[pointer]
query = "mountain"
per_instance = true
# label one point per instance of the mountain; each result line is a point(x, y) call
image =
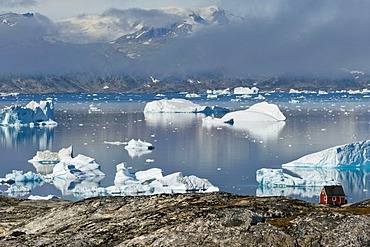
point(139, 33)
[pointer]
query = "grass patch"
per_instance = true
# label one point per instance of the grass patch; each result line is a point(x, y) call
point(282, 222)
point(348, 210)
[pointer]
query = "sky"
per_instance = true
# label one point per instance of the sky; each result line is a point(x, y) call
point(278, 35)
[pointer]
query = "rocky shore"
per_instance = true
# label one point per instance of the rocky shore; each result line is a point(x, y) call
point(215, 219)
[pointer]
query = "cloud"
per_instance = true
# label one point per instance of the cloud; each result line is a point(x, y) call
point(16, 3)
point(293, 37)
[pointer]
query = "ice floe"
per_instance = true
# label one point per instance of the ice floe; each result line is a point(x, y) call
point(138, 148)
point(32, 114)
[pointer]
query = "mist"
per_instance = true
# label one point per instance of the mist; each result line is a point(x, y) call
point(272, 38)
point(300, 38)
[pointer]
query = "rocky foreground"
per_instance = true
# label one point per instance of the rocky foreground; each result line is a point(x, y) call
point(216, 219)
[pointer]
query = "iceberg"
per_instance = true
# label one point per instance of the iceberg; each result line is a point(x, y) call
point(21, 183)
point(49, 157)
point(76, 168)
point(33, 113)
point(20, 177)
point(246, 90)
point(348, 155)
point(180, 106)
point(138, 148)
point(173, 105)
point(48, 197)
point(152, 181)
point(258, 112)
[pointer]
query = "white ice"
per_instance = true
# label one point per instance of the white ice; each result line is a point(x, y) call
point(246, 90)
point(19, 176)
point(137, 148)
point(173, 105)
point(348, 155)
point(48, 197)
point(152, 181)
point(74, 168)
point(49, 157)
point(260, 112)
point(33, 113)
point(180, 106)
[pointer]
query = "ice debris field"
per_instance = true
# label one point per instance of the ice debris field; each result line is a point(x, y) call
point(84, 174)
point(303, 176)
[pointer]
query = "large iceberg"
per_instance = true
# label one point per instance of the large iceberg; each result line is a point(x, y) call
point(258, 112)
point(32, 114)
point(181, 106)
point(348, 155)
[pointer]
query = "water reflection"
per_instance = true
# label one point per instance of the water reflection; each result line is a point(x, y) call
point(261, 130)
point(39, 136)
point(77, 187)
point(173, 119)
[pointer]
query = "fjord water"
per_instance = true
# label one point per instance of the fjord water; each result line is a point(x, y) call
point(228, 156)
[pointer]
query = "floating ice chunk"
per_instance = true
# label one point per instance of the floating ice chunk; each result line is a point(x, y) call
point(192, 95)
point(49, 157)
point(353, 154)
point(259, 112)
point(173, 105)
point(123, 176)
point(32, 114)
point(48, 197)
point(180, 106)
point(19, 176)
point(139, 145)
point(21, 183)
point(149, 175)
point(138, 148)
point(246, 90)
point(79, 167)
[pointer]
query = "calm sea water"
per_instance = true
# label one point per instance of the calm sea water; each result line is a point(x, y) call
point(227, 156)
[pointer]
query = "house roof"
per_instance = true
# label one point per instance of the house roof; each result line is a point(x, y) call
point(334, 190)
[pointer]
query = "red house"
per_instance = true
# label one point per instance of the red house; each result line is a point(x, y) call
point(333, 195)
